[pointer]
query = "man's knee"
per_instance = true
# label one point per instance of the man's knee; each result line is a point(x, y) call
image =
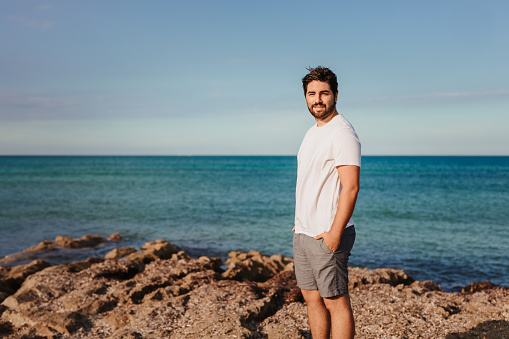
point(338, 303)
point(311, 296)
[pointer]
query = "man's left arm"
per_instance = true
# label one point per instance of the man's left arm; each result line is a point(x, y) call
point(349, 179)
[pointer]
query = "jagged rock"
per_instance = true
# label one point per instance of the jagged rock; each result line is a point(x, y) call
point(4, 270)
point(4, 295)
point(219, 310)
point(425, 286)
point(47, 323)
point(112, 269)
point(493, 329)
point(291, 321)
point(43, 286)
point(104, 288)
point(78, 266)
point(5, 290)
point(254, 266)
point(419, 287)
point(165, 293)
point(45, 245)
point(181, 255)
point(115, 236)
point(362, 276)
point(285, 286)
point(13, 277)
point(6, 329)
point(448, 309)
point(153, 250)
point(18, 274)
point(126, 333)
point(87, 241)
point(121, 252)
point(477, 286)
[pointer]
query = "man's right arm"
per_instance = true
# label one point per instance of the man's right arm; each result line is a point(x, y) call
point(349, 178)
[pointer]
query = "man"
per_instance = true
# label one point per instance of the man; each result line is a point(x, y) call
point(329, 162)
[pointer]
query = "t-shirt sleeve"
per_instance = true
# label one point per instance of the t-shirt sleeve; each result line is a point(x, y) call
point(346, 148)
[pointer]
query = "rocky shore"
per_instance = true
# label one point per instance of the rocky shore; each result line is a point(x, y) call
point(159, 291)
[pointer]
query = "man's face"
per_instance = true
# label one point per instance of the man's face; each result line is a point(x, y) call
point(320, 99)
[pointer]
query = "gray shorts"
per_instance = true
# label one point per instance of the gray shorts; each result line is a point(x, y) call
point(318, 268)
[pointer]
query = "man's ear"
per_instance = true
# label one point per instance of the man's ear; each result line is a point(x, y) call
point(336, 96)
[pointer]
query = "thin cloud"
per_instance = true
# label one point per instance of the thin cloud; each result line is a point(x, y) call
point(26, 107)
point(19, 107)
point(19, 101)
point(431, 98)
point(456, 95)
point(43, 7)
point(32, 23)
point(290, 60)
point(243, 60)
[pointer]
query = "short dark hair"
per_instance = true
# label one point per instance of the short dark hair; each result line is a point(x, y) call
point(322, 74)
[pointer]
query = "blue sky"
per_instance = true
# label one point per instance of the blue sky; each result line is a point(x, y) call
point(224, 77)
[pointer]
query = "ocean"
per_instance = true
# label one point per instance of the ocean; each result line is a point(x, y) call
point(438, 218)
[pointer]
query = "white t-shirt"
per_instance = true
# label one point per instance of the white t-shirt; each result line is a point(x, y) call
point(318, 186)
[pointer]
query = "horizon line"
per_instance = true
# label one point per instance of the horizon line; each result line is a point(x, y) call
point(243, 155)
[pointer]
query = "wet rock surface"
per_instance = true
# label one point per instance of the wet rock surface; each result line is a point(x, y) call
point(61, 246)
point(161, 292)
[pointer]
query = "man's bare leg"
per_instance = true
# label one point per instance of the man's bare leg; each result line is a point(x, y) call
point(318, 315)
point(341, 315)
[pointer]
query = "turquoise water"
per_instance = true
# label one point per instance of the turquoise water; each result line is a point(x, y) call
point(439, 218)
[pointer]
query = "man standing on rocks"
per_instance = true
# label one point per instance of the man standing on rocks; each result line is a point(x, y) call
point(329, 162)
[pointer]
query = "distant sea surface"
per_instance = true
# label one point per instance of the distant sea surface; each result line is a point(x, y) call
point(444, 219)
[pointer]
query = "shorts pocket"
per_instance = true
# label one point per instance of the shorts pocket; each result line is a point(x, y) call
point(324, 247)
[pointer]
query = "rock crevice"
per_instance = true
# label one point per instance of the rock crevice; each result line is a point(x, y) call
point(160, 291)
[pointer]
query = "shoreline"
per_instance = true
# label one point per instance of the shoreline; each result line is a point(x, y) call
point(57, 252)
point(158, 290)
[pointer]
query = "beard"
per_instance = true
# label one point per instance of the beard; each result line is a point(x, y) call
point(327, 112)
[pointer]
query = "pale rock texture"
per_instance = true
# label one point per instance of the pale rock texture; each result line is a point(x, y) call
point(87, 241)
point(161, 292)
point(254, 266)
point(121, 252)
